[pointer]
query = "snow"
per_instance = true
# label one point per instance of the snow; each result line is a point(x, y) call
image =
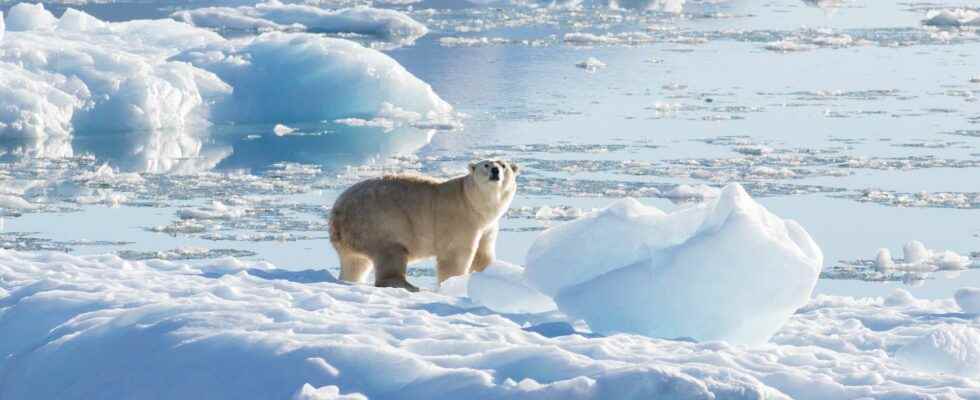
point(72, 326)
point(502, 288)
point(692, 273)
point(389, 25)
point(968, 299)
point(949, 349)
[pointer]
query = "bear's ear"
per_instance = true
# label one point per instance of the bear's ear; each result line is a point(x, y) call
point(513, 167)
point(473, 166)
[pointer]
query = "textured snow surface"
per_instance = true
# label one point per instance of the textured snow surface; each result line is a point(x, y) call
point(73, 326)
point(726, 269)
point(383, 24)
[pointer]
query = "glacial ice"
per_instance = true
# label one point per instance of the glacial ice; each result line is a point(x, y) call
point(383, 24)
point(727, 269)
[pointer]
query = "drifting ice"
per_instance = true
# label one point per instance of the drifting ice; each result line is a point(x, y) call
point(727, 269)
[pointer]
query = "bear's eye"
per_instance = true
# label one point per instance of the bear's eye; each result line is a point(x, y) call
point(486, 165)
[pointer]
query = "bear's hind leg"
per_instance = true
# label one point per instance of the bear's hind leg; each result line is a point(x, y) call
point(354, 267)
point(390, 265)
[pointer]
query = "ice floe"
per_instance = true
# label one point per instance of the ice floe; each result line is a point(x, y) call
point(692, 273)
point(915, 265)
point(383, 24)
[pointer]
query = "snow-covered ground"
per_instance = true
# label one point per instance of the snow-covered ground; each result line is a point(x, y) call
point(99, 326)
point(142, 143)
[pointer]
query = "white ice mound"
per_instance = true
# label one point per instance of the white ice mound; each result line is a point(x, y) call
point(328, 78)
point(727, 269)
point(502, 288)
point(29, 17)
point(950, 349)
point(389, 25)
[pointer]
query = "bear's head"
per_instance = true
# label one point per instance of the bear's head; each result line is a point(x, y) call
point(495, 174)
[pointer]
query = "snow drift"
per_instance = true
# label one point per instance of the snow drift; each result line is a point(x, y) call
point(724, 270)
point(388, 25)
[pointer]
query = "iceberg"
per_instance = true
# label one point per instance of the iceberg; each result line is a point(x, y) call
point(727, 269)
point(151, 89)
point(326, 79)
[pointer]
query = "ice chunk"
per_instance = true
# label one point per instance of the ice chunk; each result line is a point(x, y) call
point(29, 17)
point(591, 64)
point(968, 299)
point(329, 79)
point(727, 269)
point(14, 202)
point(502, 288)
point(308, 392)
point(953, 17)
point(951, 349)
point(383, 24)
point(883, 261)
point(672, 6)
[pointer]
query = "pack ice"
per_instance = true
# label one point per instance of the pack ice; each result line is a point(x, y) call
point(727, 269)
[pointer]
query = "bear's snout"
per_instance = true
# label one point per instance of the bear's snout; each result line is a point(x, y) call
point(495, 174)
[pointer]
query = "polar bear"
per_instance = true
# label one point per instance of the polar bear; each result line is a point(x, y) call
point(391, 221)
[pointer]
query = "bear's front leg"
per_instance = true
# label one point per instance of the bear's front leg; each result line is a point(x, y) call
point(486, 251)
point(454, 262)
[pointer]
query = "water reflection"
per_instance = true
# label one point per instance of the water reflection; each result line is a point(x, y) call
point(250, 147)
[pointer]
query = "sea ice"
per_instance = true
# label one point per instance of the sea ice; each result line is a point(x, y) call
point(727, 269)
point(389, 25)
